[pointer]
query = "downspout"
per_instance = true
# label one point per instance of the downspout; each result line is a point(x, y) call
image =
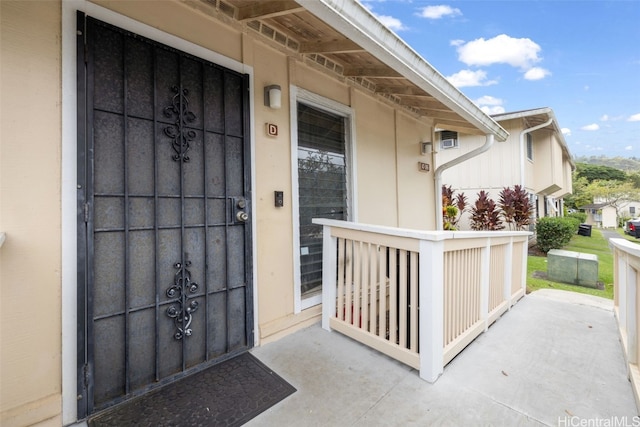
point(438, 175)
point(522, 152)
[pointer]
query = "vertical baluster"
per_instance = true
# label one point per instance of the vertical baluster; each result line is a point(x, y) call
point(413, 297)
point(382, 277)
point(403, 299)
point(374, 282)
point(357, 277)
point(393, 296)
point(365, 289)
point(340, 310)
point(348, 306)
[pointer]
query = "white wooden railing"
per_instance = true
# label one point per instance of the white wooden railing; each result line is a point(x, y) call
point(419, 297)
point(626, 305)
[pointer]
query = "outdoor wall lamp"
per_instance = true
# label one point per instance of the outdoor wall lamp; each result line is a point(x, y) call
point(273, 96)
point(426, 147)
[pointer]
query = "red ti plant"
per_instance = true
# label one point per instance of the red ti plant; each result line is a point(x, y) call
point(485, 214)
point(516, 207)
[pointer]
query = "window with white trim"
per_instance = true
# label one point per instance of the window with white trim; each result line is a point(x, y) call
point(529, 147)
point(323, 184)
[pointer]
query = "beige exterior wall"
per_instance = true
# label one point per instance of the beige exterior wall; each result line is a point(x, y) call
point(547, 174)
point(567, 181)
point(391, 190)
point(609, 217)
point(548, 179)
point(416, 191)
point(488, 171)
point(30, 259)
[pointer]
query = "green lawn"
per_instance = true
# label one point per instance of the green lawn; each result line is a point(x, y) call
point(597, 245)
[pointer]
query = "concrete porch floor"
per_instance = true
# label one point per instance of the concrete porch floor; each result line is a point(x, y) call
point(555, 359)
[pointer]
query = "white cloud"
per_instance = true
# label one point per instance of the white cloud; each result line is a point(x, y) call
point(391, 22)
point(502, 49)
point(492, 110)
point(536, 73)
point(490, 105)
point(634, 118)
point(591, 127)
point(488, 100)
point(586, 88)
point(629, 147)
point(457, 42)
point(466, 78)
point(604, 118)
point(566, 131)
point(440, 11)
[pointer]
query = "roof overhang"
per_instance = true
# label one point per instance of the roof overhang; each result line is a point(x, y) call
point(361, 49)
point(537, 117)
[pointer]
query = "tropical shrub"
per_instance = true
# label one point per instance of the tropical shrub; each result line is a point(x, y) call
point(555, 232)
point(580, 216)
point(453, 206)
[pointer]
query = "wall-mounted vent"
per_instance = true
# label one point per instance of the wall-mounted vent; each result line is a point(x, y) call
point(448, 139)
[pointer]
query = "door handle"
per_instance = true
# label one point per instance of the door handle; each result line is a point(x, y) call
point(242, 216)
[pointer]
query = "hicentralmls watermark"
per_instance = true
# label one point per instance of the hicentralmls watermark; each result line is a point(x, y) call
point(574, 421)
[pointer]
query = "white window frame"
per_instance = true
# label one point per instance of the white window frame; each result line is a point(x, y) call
point(306, 97)
point(529, 147)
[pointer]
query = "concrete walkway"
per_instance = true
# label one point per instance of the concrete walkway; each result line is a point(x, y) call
point(554, 360)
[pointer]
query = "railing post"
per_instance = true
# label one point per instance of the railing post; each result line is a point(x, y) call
point(485, 273)
point(622, 267)
point(329, 272)
point(431, 309)
point(631, 313)
point(508, 273)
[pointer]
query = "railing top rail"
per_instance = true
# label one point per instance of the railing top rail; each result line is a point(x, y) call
point(418, 234)
point(625, 246)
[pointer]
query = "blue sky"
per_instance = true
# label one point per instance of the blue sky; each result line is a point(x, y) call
point(579, 57)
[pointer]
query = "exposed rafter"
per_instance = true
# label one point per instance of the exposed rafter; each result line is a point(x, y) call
point(382, 72)
point(403, 91)
point(333, 46)
point(425, 104)
point(268, 9)
point(456, 126)
point(342, 37)
point(441, 114)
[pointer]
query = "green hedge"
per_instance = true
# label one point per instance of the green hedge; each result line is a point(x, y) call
point(555, 232)
point(581, 216)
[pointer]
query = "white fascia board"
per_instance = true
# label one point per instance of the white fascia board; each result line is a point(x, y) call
point(520, 114)
point(359, 25)
point(550, 115)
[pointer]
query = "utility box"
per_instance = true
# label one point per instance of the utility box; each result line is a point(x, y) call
point(574, 268)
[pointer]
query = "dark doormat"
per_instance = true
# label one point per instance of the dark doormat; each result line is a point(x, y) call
point(228, 394)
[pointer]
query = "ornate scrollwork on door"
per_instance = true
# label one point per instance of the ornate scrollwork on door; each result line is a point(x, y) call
point(182, 308)
point(180, 134)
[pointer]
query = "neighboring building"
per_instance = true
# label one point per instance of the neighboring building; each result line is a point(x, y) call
point(153, 151)
point(630, 209)
point(535, 156)
point(603, 214)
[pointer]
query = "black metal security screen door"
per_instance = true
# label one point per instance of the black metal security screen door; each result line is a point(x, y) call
point(164, 284)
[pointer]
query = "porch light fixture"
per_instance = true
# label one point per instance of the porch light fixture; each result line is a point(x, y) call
point(273, 96)
point(426, 147)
